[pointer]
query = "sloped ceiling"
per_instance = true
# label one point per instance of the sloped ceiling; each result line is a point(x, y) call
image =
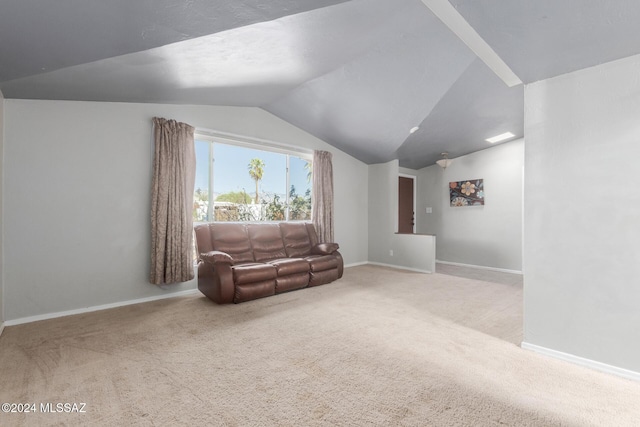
point(358, 74)
point(545, 38)
point(40, 36)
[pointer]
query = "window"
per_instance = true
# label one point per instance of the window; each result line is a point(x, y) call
point(237, 181)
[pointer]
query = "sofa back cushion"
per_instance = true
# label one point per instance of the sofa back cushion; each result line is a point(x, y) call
point(313, 236)
point(266, 242)
point(296, 239)
point(232, 239)
point(203, 238)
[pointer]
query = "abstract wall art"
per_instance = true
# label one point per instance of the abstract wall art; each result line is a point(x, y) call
point(467, 193)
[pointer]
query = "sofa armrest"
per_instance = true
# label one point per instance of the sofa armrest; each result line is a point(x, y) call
point(214, 257)
point(216, 281)
point(324, 248)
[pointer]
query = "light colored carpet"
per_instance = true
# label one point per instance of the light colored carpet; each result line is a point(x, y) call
point(379, 347)
point(480, 274)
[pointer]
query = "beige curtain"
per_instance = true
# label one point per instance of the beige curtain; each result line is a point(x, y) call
point(174, 171)
point(322, 193)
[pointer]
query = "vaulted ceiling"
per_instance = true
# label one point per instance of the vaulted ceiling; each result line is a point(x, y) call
point(358, 74)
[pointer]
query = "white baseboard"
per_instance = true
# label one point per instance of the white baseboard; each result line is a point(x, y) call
point(356, 264)
point(577, 360)
point(399, 267)
point(47, 316)
point(481, 267)
point(1, 328)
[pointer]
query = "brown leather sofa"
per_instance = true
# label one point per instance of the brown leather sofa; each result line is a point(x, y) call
point(241, 262)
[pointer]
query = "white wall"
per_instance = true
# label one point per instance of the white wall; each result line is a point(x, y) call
point(383, 199)
point(582, 239)
point(1, 211)
point(77, 184)
point(429, 196)
point(413, 252)
point(489, 235)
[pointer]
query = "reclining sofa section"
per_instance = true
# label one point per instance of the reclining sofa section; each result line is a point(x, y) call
point(241, 262)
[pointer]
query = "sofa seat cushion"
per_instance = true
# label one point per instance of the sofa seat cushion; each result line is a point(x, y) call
point(322, 262)
point(249, 273)
point(288, 266)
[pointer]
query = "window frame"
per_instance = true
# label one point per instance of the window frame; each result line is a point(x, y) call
point(260, 144)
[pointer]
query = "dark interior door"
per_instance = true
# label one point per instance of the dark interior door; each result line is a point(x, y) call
point(405, 205)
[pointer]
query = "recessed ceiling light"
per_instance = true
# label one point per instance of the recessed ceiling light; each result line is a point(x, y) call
point(414, 129)
point(499, 138)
